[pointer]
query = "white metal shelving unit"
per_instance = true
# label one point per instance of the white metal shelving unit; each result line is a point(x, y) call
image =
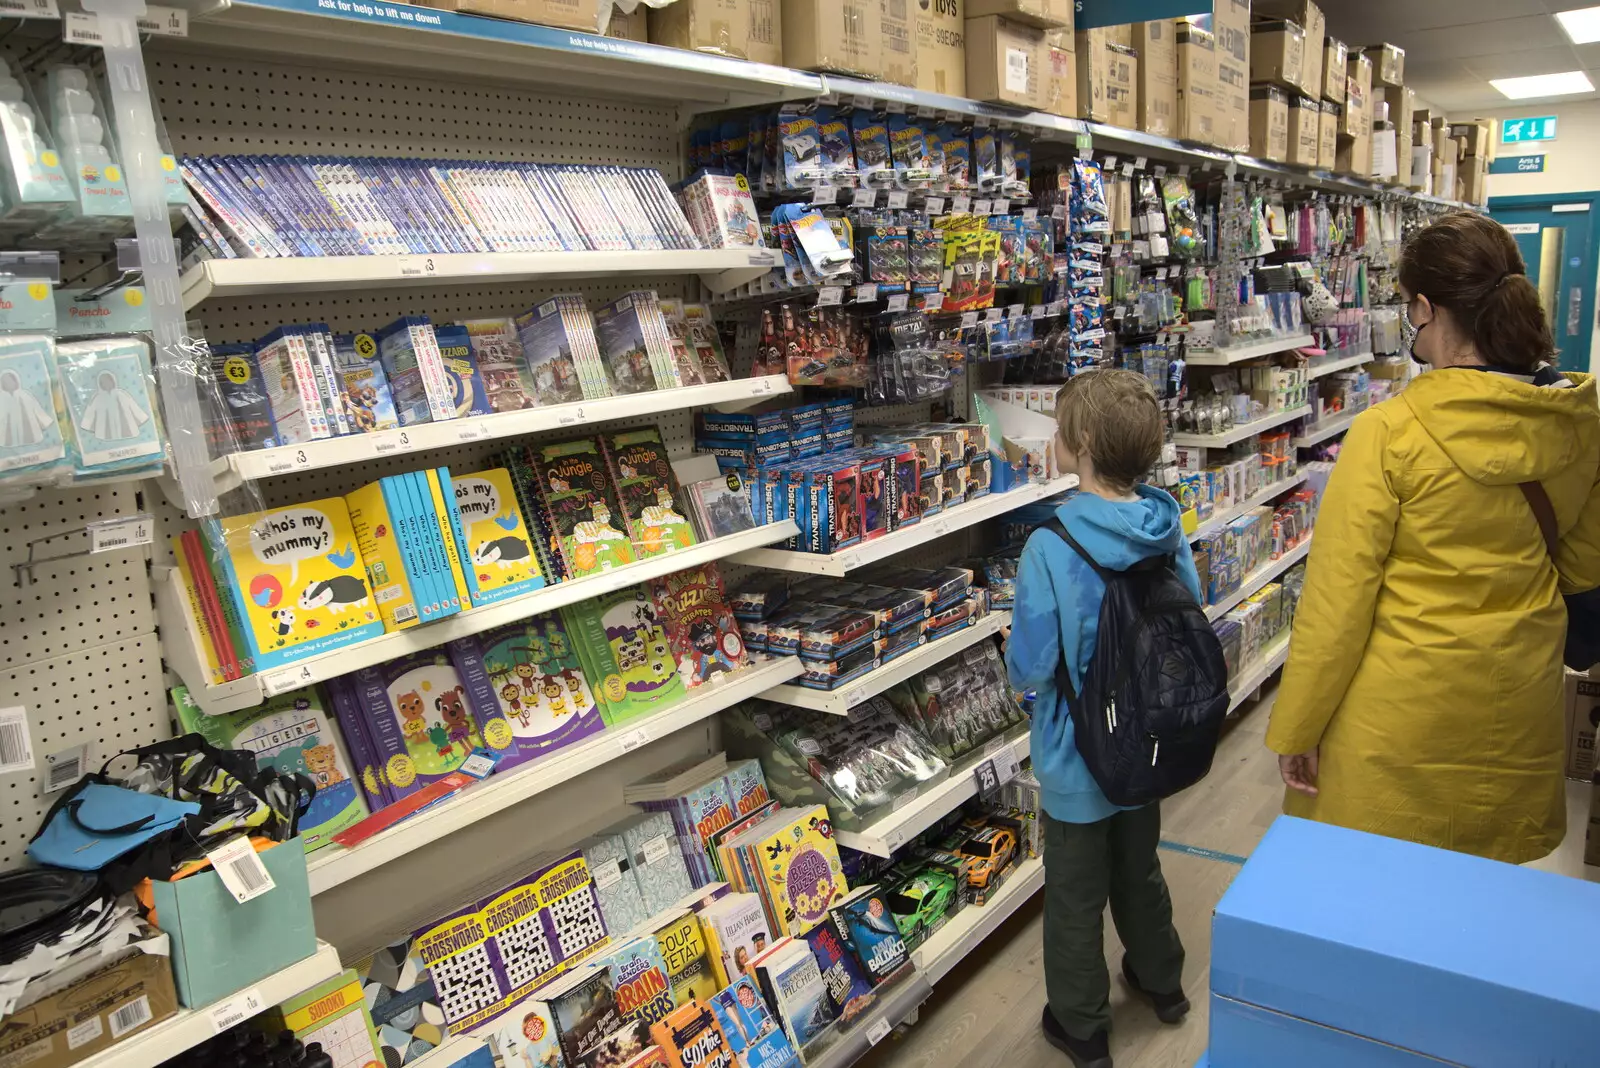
point(1258, 578)
point(839, 702)
point(949, 520)
point(1253, 675)
point(1316, 433)
point(944, 948)
point(1260, 497)
point(1243, 430)
point(1251, 350)
point(190, 1027)
point(1317, 368)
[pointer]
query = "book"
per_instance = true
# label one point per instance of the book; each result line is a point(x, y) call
point(401, 996)
point(583, 506)
point(419, 717)
point(611, 866)
point(506, 379)
point(528, 675)
point(526, 1036)
point(697, 813)
point(194, 572)
point(639, 980)
point(721, 505)
point(691, 1038)
point(461, 371)
point(442, 538)
point(641, 471)
point(655, 856)
point(869, 931)
point(625, 653)
point(295, 733)
point(371, 776)
point(585, 1013)
point(747, 787)
point(789, 978)
point(296, 581)
point(700, 627)
point(684, 951)
point(491, 538)
point(654, 1057)
point(736, 926)
point(333, 1014)
point(389, 574)
point(849, 991)
point(727, 864)
point(798, 864)
point(753, 1034)
point(675, 778)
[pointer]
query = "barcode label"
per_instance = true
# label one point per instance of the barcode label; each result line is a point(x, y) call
point(405, 613)
point(1016, 70)
point(16, 751)
point(122, 533)
point(64, 768)
point(241, 870)
point(85, 1032)
point(236, 1010)
point(135, 1013)
point(878, 1031)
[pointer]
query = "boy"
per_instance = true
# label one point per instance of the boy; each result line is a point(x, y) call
point(1109, 435)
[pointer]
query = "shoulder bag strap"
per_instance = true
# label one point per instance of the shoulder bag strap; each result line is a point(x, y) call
point(1544, 513)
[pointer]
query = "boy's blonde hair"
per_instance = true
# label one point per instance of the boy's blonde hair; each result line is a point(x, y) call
point(1113, 417)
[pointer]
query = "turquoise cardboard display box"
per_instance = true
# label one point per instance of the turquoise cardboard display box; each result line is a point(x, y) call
point(1432, 953)
point(219, 946)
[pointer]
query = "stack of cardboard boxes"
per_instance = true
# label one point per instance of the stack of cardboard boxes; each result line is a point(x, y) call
point(1161, 77)
point(1011, 52)
point(1475, 140)
point(1289, 51)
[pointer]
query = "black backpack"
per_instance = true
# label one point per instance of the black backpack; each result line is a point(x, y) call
point(1156, 693)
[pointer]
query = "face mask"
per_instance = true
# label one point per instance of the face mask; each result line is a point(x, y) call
point(1410, 334)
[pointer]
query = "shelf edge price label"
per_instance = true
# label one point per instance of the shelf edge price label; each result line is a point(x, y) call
point(899, 302)
point(867, 293)
point(824, 194)
point(899, 198)
point(960, 205)
point(125, 533)
point(1000, 207)
point(237, 1009)
point(418, 266)
point(932, 302)
point(878, 1031)
point(935, 205)
point(634, 739)
point(982, 207)
point(1030, 213)
point(828, 296)
point(969, 319)
point(864, 198)
point(287, 679)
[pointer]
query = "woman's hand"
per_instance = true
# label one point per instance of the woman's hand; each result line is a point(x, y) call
point(1300, 772)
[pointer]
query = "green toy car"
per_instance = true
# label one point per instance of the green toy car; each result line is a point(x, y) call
point(922, 904)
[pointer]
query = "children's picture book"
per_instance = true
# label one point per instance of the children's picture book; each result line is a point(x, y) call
point(366, 386)
point(737, 926)
point(849, 991)
point(691, 1038)
point(296, 578)
point(683, 949)
point(641, 470)
point(530, 673)
point(496, 550)
point(421, 718)
point(381, 518)
point(870, 932)
point(498, 350)
point(623, 645)
point(700, 627)
point(754, 1036)
point(549, 352)
point(582, 503)
point(461, 371)
point(800, 867)
point(295, 733)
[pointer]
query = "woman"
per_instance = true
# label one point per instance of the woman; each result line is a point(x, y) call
point(1423, 694)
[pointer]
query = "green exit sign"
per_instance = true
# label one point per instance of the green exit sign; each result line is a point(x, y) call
point(1520, 131)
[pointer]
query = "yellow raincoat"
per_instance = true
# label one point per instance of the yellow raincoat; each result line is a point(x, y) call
point(1426, 654)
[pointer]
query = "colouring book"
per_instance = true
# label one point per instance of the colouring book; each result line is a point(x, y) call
point(642, 472)
point(625, 653)
point(582, 504)
point(420, 716)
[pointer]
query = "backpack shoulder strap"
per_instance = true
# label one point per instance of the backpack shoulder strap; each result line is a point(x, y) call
point(1544, 513)
point(1056, 527)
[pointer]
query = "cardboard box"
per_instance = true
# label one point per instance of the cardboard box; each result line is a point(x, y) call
point(1354, 156)
point(743, 29)
point(1061, 90)
point(841, 36)
point(1383, 148)
point(629, 25)
point(1157, 47)
point(1278, 54)
point(97, 1011)
point(1335, 58)
point(1477, 135)
point(1443, 147)
point(897, 52)
point(1583, 720)
point(1122, 86)
point(1269, 123)
point(1305, 121)
point(1315, 24)
point(1093, 68)
point(1388, 64)
point(1363, 934)
point(1045, 14)
point(1402, 104)
point(1197, 84)
point(1356, 120)
point(1230, 21)
point(941, 48)
point(1006, 62)
point(1475, 175)
point(1328, 137)
point(582, 15)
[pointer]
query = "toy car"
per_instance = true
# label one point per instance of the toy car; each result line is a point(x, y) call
point(922, 904)
point(992, 850)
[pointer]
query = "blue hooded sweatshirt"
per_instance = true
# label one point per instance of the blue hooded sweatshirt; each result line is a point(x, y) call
point(1057, 614)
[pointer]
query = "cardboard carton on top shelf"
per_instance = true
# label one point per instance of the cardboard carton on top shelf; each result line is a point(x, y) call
point(1305, 120)
point(1157, 89)
point(1311, 19)
point(1061, 89)
point(1356, 120)
point(1477, 136)
point(941, 48)
point(629, 25)
point(1421, 167)
point(743, 29)
point(1007, 62)
point(1230, 21)
point(1354, 156)
point(1269, 123)
point(1328, 137)
point(1045, 14)
point(1278, 54)
point(1335, 58)
point(1402, 104)
point(1197, 84)
point(1475, 180)
point(1122, 86)
point(897, 53)
point(1093, 67)
point(831, 35)
point(1388, 64)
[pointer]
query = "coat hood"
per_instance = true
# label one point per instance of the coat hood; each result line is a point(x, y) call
point(1501, 431)
point(1119, 534)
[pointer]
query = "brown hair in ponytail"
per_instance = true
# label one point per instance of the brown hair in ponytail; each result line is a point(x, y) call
point(1470, 264)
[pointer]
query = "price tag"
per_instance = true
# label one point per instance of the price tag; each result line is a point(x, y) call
point(286, 679)
point(1000, 207)
point(1109, 163)
point(878, 1030)
point(960, 205)
point(932, 302)
point(1058, 212)
point(830, 295)
point(927, 113)
point(1030, 213)
point(574, 416)
point(1014, 311)
point(383, 444)
point(759, 386)
point(993, 746)
point(634, 739)
point(1140, 163)
point(472, 432)
point(899, 198)
point(1161, 274)
point(981, 207)
point(864, 198)
point(236, 1010)
point(293, 461)
point(969, 320)
point(241, 870)
point(899, 302)
point(988, 781)
point(935, 205)
point(418, 267)
point(867, 294)
point(1006, 766)
point(478, 765)
point(1038, 311)
point(894, 840)
point(824, 194)
point(993, 315)
point(850, 560)
point(123, 533)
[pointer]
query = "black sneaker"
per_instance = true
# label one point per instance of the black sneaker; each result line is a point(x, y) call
point(1085, 1052)
point(1170, 1008)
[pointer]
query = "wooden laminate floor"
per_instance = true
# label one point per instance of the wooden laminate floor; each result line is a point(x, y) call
point(985, 1013)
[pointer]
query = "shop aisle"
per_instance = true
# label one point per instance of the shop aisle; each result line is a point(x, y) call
point(985, 1014)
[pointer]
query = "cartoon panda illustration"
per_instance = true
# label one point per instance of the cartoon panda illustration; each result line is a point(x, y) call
point(283, 620)
point(335, 594)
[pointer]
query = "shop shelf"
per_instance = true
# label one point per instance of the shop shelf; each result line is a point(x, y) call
point(1258, 578)
point(1328, 428)
point(950, 519)
point(893, 1004)
point(840, 701)
point(1253, 675)
point(945, 948)
point(236, 468)
point(1260, 497)
point(891, 832)
point(181, 638)
point(1250, 350)
point(332, 865)
point(1327, 365)
point(1242, 431)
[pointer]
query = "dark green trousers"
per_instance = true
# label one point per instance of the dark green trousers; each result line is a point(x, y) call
point(1085, 866)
